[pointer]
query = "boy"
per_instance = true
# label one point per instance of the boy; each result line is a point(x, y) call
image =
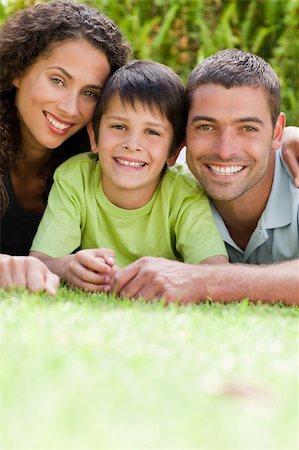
point(121, 199)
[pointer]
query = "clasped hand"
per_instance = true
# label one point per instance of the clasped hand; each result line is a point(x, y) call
point(92, 270)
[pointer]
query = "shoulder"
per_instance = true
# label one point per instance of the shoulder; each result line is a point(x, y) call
point(179, 178)
point(180, 173)
point(83, 162)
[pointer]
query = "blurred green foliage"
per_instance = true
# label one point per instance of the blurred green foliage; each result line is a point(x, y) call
point(180, 33)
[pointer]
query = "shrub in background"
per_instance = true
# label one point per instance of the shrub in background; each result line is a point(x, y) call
point(180, 33)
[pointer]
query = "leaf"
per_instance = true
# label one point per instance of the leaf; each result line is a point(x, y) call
point(165, 27)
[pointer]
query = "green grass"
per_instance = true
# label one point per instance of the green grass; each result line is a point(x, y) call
point(92, 372)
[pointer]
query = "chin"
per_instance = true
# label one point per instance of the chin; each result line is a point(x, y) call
point(220, 195)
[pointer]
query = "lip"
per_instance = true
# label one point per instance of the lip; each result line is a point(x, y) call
point(56, 124)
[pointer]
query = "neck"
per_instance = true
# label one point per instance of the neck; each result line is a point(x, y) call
point(33, 157)
point(128, 198)
point(28, 184)
point(30, 166)
point(32, 163)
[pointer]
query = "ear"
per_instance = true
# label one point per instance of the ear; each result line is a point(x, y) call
point(92, 139)
point(172, 159)
point(16, 82)
point(278, 131)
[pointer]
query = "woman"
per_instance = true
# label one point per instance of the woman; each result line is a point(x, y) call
point(55, 58)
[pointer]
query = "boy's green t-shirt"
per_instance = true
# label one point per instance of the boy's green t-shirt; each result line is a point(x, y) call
point(177, 223)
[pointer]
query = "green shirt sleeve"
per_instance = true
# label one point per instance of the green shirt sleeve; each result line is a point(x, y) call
point(59, 232)
point(197, 236)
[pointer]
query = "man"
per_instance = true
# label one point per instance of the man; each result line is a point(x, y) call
point(233, 133)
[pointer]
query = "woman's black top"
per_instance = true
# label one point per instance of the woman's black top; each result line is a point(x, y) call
point(17, 226)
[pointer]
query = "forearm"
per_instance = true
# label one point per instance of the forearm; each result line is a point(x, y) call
point(56, 265)
point(265, 283)
point(152, 278)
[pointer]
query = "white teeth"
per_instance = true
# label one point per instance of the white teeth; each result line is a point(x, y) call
point(56, 124)
point(225, 170)
point(130, 163)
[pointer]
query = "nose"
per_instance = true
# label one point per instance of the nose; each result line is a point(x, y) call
point(226, 145)
point(132, 142)
point(68, 104)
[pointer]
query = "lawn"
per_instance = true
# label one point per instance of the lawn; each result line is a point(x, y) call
point(92, 372)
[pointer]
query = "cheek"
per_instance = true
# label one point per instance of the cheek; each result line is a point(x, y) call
point(108, 138)
point(191, 146)
point(25, 102)
point(193, 159)
point(87, 110)
point(23, 94)
point(191, 139)
point(159, 152)
point(29, 96)
point(189, 159)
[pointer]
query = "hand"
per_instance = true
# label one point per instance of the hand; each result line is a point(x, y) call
point(290, 151)
point(26, 272)
point(91, 270)
point(157, 278)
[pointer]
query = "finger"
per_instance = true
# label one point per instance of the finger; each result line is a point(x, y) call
point(135, 286)
point(89, 287)
point(122, 278)
point(148, 291)
point(293, 163)
point(108, 255)
point(78, 271)
point(103, 253)
point(18, 277)
point(15, 275)
point(35, 273)
point(6, 280)
point(52, 283)
point(147, 294)
point(91, 262)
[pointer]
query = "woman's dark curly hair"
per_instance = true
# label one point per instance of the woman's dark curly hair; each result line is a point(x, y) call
point(27, 36)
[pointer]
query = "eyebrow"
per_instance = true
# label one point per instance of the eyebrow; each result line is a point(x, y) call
point(242, 120)
point(124, 118)
point(94, 86)
point(207, 118)
point(251, 119)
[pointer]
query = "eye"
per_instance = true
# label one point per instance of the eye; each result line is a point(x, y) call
point(57, 81)
point(249, 128)
point(92, 95)
point(204, 127)
point(152, 132)
point(118, 126)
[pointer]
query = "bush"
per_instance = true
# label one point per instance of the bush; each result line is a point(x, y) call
point(180, 33)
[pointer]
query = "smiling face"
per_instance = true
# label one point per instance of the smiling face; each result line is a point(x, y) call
point(56, 96)
point(133, 147)
point(230, 140)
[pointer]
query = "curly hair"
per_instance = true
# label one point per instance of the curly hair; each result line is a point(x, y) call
point(27, 36)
